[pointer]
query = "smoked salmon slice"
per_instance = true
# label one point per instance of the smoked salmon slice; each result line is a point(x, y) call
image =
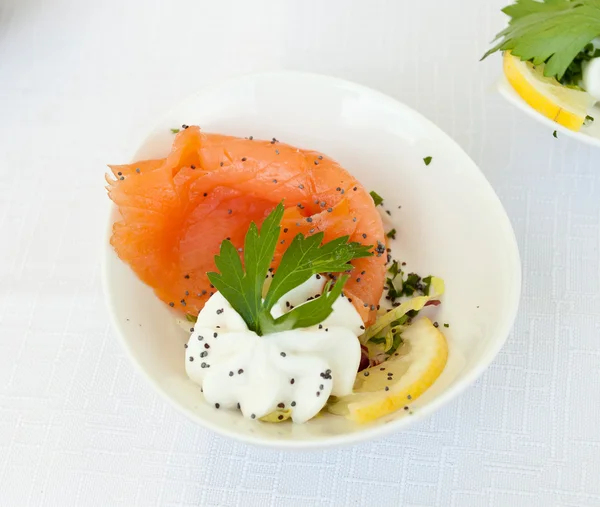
point(176, 211)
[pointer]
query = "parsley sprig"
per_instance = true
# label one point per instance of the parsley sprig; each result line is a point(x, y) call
point(550, 32)
point(242, 284)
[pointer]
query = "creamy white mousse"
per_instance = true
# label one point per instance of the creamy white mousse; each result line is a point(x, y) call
point(297, 369)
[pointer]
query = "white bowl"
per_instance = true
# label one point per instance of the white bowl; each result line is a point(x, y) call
point(589, 134)
point(451, 224)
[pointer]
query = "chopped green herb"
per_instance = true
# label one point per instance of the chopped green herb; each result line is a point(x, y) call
point(377, 199)
point(394, 287)
point(391, 234)
point(305, 257)
point(427, 160)
point(399, 286)
point(555, 134)
point(409, 308)
point(190, 318)
point(588, 119)
point(174, 131)
point(411, 284)
point(446, 325)
point(401, 321)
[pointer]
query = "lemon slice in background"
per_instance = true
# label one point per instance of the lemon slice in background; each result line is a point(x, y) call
point(406, 375)
point(566, 106)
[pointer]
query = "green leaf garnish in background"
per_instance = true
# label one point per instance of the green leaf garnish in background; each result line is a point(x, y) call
point(377, 199)
point(427, 160)
point(305, 257)
point(550, 32)
point(174, 131)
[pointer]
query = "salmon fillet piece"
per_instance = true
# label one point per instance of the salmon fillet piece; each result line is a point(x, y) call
point(176, 211)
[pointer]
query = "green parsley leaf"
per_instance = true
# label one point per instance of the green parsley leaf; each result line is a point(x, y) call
point(305, 257)
point(174, 131)
point(310, 313)
point(242, 289)
point(574, 73)
point(588, 120)
point(427, 160)
point(549, 32)
point(446, 325)
point(555, 134)
point(391, 234)
point(377, 199)
point(258, 252)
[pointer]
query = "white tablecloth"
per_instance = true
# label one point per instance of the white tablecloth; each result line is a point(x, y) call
point(79, 84)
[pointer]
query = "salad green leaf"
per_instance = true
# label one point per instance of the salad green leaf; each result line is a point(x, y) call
point(397, 341)
point(242, 284)
point(550, 32)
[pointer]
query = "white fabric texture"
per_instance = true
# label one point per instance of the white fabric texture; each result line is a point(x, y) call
point(79, 84)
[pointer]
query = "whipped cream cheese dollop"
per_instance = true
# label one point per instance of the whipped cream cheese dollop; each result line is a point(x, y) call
point(297, 369)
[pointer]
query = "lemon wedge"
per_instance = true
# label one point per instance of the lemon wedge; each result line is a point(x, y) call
point(392, 385)
point(277, 416)
point(562, 104)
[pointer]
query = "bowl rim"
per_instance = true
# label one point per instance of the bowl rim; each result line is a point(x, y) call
point(369, 433)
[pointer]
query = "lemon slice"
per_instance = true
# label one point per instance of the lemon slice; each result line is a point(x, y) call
point(392, 385)
point(566, 106)
point(277, 416)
